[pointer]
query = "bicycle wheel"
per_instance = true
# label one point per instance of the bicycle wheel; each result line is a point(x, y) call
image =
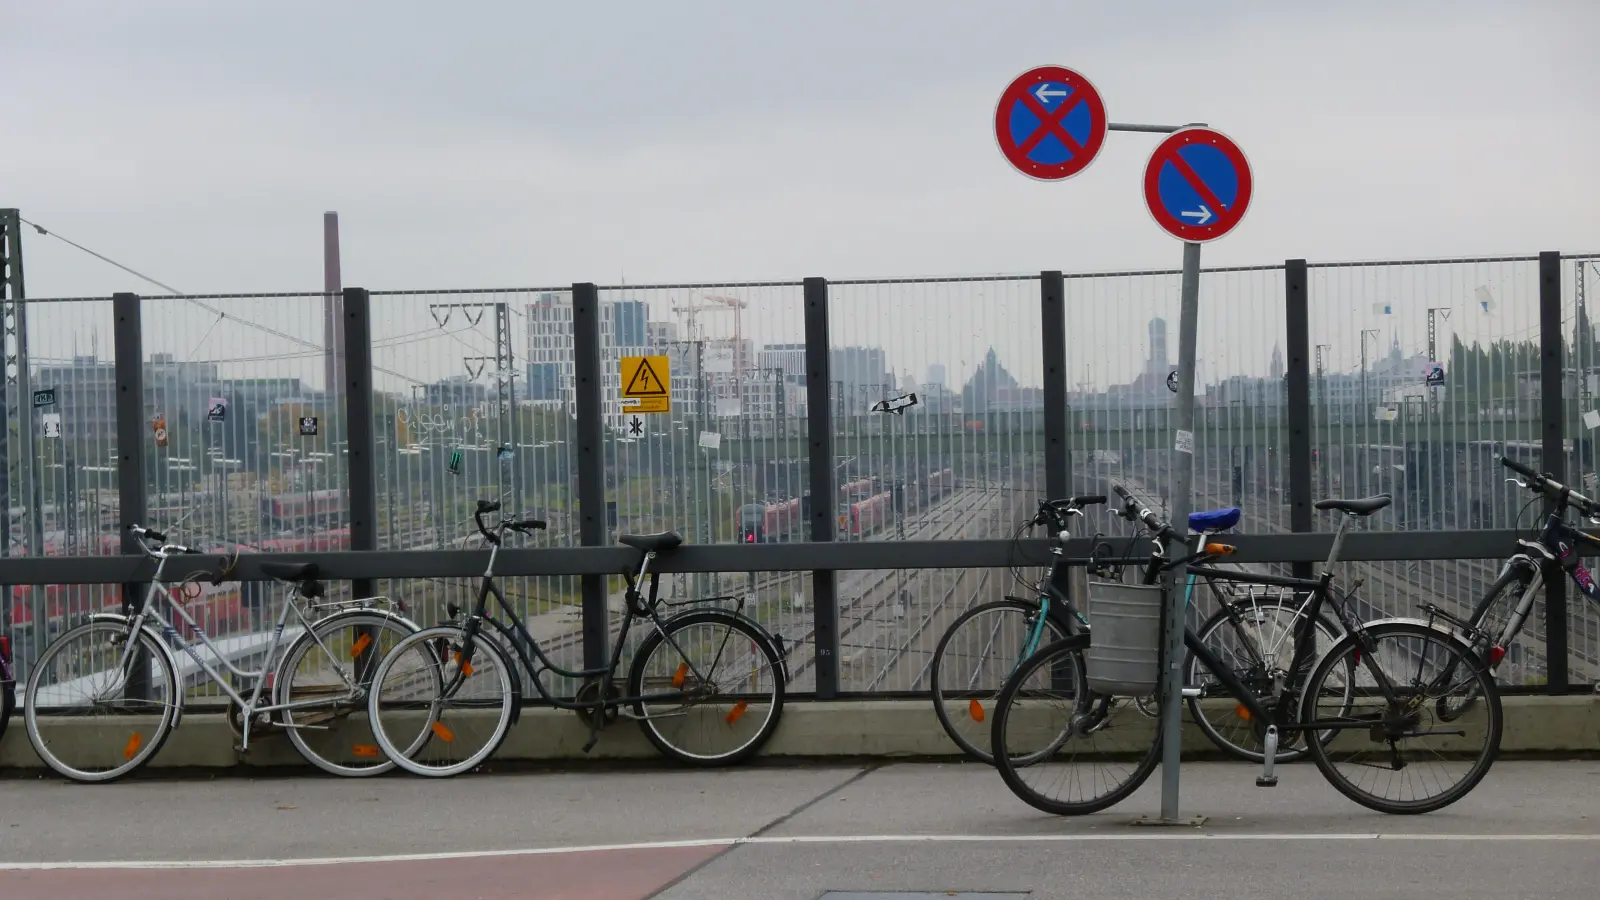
point(334, 662)
point(1259, 650)
point(82, 674)
point(439, 708)
point(1417, 660)
point(1107, 731)
point(979, 651)
point(718, 682)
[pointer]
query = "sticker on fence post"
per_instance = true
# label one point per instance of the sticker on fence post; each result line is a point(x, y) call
point(217, 409)
point(52, 425)
point(159, 426)
point(1591, 420)
point(455, 462)
point(1172, 381)
point(45, 397)
point(1184, 442)
point(308, 426)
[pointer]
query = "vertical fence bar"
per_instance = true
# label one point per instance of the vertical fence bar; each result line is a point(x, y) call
point(1297, 321)
point(591, 462)
point(1053, 326)
point(1553, 452)
point(824, 585)
point(359, 427)
point(128, 338)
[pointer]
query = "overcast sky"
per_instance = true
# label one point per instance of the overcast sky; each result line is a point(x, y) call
point(482, 144)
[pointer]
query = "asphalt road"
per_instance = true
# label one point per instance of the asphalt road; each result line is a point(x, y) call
point(1532, 829)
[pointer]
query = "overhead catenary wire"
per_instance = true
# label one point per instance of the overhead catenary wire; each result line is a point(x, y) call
point(220, 314)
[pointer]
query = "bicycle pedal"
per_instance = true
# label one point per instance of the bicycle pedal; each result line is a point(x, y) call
point(1266, 781)
point(589, 744)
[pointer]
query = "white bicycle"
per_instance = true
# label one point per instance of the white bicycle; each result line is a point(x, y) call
point(104, 697)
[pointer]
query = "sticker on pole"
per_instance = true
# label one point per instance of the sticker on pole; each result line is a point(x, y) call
point(308, 426)
point(1050, 123)
point(1197, 184)
point(217, 409)
point(45, 397)
point(1183, 442)
point(1433, 374)
point(52, 425)
point(646, 385)
point(159, 425)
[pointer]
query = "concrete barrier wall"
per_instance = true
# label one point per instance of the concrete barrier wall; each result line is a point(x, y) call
point(869, 728)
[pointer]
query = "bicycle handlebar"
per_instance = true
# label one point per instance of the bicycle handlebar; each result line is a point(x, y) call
point(1134, 510)
point(524, 525)
point(1551, 488)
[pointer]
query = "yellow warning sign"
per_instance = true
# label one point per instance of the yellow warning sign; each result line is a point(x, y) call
point(646, 384)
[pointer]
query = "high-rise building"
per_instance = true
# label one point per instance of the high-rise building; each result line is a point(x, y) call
point(936, 375)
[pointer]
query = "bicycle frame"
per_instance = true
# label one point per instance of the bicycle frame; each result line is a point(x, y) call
point(148, 609)
point(521, 641)
point(1556, 548)
point(1284, 716)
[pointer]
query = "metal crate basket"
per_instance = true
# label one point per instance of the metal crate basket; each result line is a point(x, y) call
point(1124, 655)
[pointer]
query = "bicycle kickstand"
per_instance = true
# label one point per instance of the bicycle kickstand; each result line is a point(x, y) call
point(1269, 754)
point(594, 735)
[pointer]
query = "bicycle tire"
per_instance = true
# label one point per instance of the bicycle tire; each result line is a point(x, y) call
point(970, 748)
point(314, 639)
point(1463, 655)
point(454, 636)
point(1190, 669)
point(8, 705)
point(1004, 761)
point(140, 750)
point(637, 674)
point(1513, 576)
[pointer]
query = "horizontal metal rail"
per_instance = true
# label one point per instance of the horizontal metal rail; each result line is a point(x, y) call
point(1371, 546)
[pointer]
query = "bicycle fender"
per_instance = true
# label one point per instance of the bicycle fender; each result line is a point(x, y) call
point(1349, 637)
point(783, 650)
point(172, 658)
point(380, 613)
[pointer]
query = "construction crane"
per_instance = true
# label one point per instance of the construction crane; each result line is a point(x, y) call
point(721, 304)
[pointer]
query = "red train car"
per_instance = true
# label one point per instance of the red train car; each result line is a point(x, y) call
point(866, 516)
point(762, 523)
point(855, 490)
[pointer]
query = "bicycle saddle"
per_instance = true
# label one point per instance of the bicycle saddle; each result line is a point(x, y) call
point(1363, 507)
point(289, 571)
point(1214, 519)
point(651, 543)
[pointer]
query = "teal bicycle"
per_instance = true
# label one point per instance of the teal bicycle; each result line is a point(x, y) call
point(1252, 630)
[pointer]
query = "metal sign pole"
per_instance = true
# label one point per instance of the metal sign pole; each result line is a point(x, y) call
point(1182, 486)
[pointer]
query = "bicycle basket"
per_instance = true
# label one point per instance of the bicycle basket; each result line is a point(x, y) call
point(1124, 655)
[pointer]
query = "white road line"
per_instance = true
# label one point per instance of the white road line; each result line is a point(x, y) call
point(1186, 835)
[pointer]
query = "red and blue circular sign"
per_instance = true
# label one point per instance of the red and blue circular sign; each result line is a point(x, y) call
point(1197, 184)
point(1050, 123)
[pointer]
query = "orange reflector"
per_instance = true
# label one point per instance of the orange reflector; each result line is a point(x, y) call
point(134, 743)
point(975, 710)
point(466, 667)
point(368, 750)
point(1220, 549)
point(443, 732)
point(679, 676)
point(1242, 712)
point(361, 644)
point(737, 711)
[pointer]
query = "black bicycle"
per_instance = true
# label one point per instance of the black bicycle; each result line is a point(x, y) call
point(1251, 628)
point(1370, 701)
point(457, 686)
point(1504, 609)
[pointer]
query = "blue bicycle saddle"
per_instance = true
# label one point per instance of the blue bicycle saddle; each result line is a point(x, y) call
point(1214, 519)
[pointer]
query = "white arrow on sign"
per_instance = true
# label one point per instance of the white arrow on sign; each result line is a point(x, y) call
point(1044, 93)
point(1202, 216)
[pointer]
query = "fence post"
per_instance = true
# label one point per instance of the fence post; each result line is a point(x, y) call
point(1297, 320)
point(1053, 324)
point(586, 371)
point(819, 425)
point(132, 497)
point(1552, 454)
point(360, 432)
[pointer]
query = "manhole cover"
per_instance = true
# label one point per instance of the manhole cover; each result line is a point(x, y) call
point(920, 895)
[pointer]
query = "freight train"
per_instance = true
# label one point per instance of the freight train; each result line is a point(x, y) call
point(864, 507)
